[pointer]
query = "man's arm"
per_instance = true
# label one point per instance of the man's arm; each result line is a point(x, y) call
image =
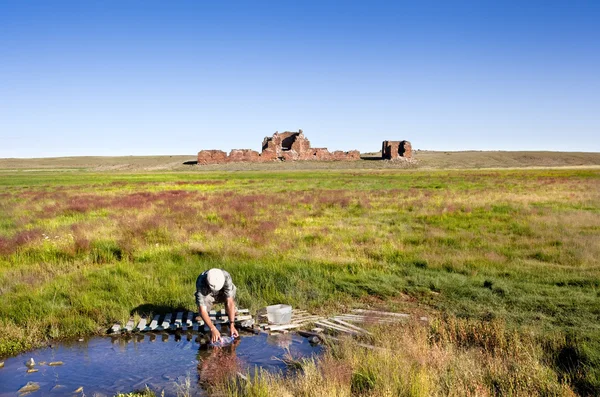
point(230, 304)
point(215, 335)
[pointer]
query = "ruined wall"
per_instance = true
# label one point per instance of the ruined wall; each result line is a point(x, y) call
point(220, 157)
point(286, 146)
point(244, 155)
point(391, 150)
point(300, 143)
point(212, 157)
point(341, 155)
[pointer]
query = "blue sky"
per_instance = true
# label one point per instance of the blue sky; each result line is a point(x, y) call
point(148, 77)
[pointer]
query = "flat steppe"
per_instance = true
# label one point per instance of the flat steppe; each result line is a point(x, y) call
point(425, 160)
point(497, 250)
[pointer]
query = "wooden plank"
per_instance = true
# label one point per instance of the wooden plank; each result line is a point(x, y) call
point(376, 312)
point(306, 322)
point(330, 326)
point(154, 323)
point(189, 318)
point(243, 318)
point(282, 327)
point(129, 325)
point(177, 322)
point(296, 320)
point(304, 318)
point(354, 319)
point(197, 322)
point(370, 316)
point(341, 327)
point(364, 319)
point(142, 324)
point(166, 324)
point(348, 325)
point(243, 311)
point(358, 316)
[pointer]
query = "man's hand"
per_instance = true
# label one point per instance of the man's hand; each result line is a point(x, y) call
point(233, 332)
point(215, 335)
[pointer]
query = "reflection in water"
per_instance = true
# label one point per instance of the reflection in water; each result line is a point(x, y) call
point(216, 364)
point(283, 341)
point(108, 365)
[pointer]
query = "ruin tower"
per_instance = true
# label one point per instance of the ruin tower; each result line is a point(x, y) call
point(391, 150)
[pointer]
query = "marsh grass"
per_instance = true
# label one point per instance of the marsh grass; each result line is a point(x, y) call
point(81, 251)
point(447, 358)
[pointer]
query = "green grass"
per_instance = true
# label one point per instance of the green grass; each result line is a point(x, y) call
point(80, 250)
point(184, 163)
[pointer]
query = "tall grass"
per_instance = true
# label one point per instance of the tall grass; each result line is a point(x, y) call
point(81, 251)
point(449, 358)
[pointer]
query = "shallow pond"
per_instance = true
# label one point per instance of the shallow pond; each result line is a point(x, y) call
point(104, 366)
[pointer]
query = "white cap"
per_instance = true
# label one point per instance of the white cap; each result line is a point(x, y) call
point(216, 279)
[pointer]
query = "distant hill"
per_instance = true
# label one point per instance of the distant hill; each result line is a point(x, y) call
point(501, 159)
point(425, 159)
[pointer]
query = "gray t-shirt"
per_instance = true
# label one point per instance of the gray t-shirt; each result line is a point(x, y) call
point(204, 293)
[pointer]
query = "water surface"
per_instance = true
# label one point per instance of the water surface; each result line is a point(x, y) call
point(105, 366)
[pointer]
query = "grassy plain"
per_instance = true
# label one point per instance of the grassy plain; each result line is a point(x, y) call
point(426, 159)
point(505, 262)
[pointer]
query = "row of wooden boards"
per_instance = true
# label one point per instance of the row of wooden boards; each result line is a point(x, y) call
point(184, 321)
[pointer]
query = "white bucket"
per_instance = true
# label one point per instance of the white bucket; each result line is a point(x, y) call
point(279, 314)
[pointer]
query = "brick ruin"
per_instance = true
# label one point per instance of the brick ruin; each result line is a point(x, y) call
point(392, 150)
point(287, 146)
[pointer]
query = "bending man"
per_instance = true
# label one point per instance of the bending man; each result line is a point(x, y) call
point(215, 286)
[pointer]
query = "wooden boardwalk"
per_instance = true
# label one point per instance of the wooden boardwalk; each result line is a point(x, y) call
point(184, 321)
point(189, 322)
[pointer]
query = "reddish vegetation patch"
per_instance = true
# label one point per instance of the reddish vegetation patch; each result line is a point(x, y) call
point(5, 245)
point(204, 182)
point(148, 218)
point(10, 245)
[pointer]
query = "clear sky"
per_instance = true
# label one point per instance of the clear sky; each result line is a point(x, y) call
point(174, 77)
